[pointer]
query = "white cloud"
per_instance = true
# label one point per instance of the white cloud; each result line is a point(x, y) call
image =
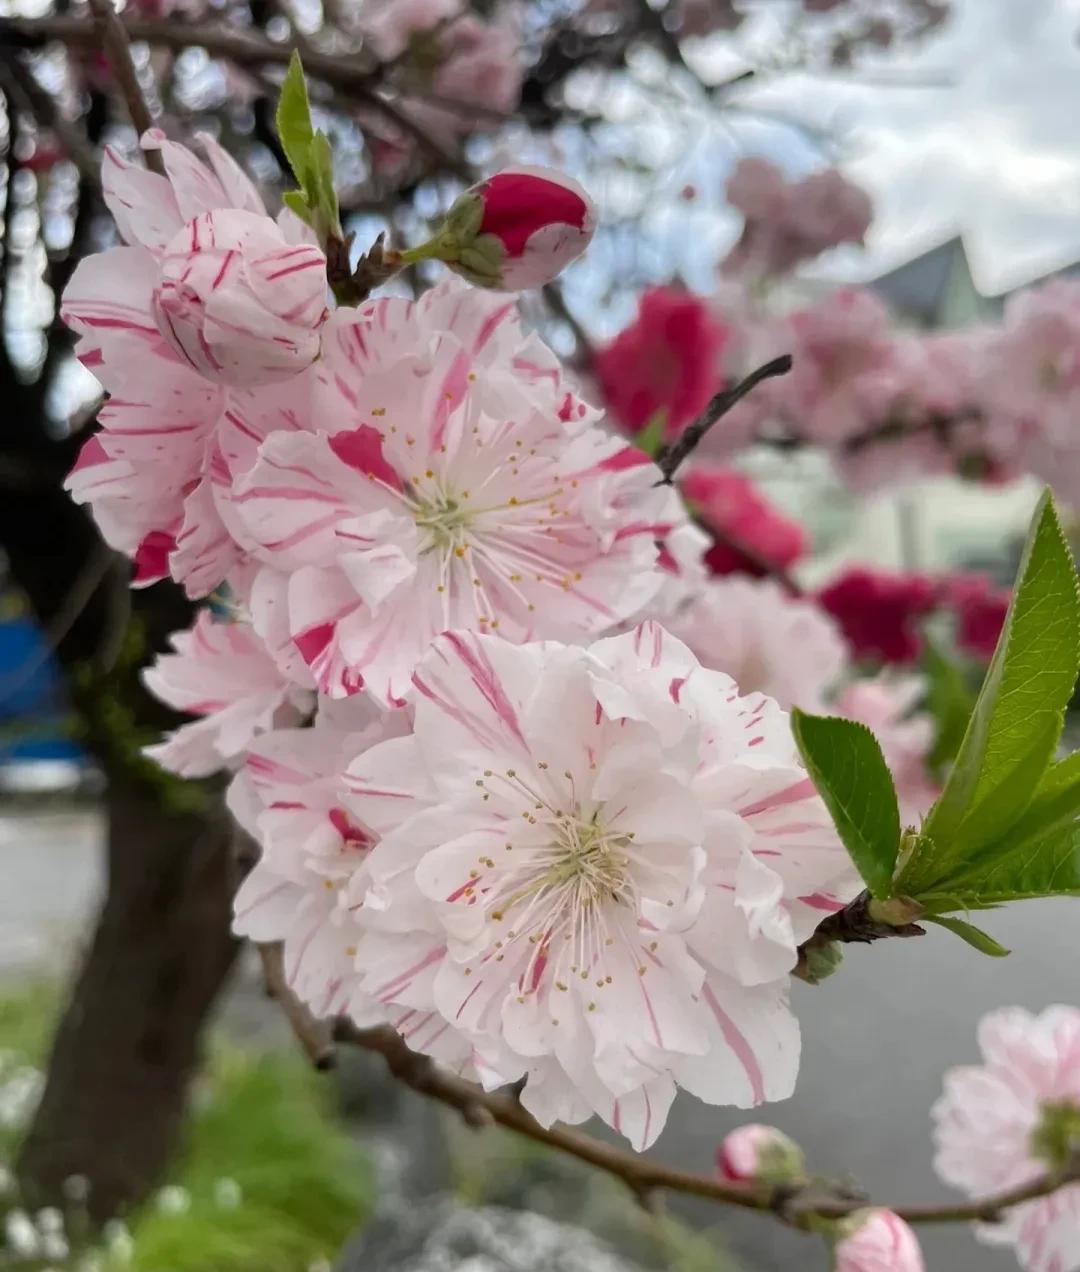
point(993, 152)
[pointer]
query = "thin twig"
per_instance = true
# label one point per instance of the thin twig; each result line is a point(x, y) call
point(45, 109)
point(313, 1035)
point(857, 923)
point(645, 1176)
point(114, 39)
point(672, 456)
point(245, 48)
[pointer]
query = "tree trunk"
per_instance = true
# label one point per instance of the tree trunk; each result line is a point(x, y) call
point(128, 1044)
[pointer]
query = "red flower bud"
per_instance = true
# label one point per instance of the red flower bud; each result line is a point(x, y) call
point(518, 229)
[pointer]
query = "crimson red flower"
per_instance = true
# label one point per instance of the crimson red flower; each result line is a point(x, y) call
point(729, 504)
point(667, 360)
point(980, 607)
point(879, 611)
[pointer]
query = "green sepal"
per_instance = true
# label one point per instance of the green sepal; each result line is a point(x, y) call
point(975, 937)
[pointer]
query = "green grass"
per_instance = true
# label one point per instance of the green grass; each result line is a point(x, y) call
point(265, 1122)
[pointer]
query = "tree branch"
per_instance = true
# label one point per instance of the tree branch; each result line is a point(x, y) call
point(672, 456)
point(45, 109)
point(797, 1207)
point(114, 39)
point(861, 921)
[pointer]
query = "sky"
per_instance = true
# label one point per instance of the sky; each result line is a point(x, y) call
point(991, 147)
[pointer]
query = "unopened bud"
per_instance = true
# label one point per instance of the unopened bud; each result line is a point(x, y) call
point(876, 1240)
point(756, 1153)
point(520, 228)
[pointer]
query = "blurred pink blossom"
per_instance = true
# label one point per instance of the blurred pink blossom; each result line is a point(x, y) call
point(730, 504)
point(999, 1124)
point(666, 362)
point(879, 611)
point(788, 222)
point(887, 706)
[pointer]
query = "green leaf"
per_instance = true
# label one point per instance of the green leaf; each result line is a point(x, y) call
point(975, 937)
point(1047, 866)
point(320, 183)
point(950, 700)
point(1056, 802)
point(294, 119)
point(651, 438)
point(850, 773)
point(294, 200)
point(1015, 727)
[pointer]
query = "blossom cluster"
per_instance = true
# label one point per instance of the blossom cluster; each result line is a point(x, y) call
point(888, 404)
point(499, 807)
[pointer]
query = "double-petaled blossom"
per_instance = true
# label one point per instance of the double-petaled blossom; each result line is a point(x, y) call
point(790, 222)
point(594, 868)
point(221, 671)
point(843, 349)
point(980, 607)
point(1031, 384)
point(877, 1240)
point(463, 486)
point(206, 285)
point(752, 535)
point(517, 229)
point(290, 796)
point(879, 611)
point(1010, 1121)
point(451, 58)
point(765, 640)
point(238, 302)
point(665, 364)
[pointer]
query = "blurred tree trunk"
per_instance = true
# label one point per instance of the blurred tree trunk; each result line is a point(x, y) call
point(128, 1045)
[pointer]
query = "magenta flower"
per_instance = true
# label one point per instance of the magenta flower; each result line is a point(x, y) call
point(666, 363)
point(728, 502)
point(879, 612)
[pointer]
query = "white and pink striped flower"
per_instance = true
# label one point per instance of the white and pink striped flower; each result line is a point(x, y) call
point(292, 799)
point(222, 672)
point(189, 303)
point(766, 640)
point(1009, 1121)
point(459, 485)
point(594, 868)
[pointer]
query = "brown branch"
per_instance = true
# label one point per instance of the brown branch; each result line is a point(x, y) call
point(245, 48)
point(314, 1035)
point(114, 39)
point(798, 1207)
point(803, 1205)
point(672, 456)
point(20, 80)
point(861, 921)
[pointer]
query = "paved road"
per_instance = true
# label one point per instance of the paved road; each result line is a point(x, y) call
point(877, 1037)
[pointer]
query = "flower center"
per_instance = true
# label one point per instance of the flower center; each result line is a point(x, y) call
point(446, 519)
point(589, 858)
point(1056, 1138)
